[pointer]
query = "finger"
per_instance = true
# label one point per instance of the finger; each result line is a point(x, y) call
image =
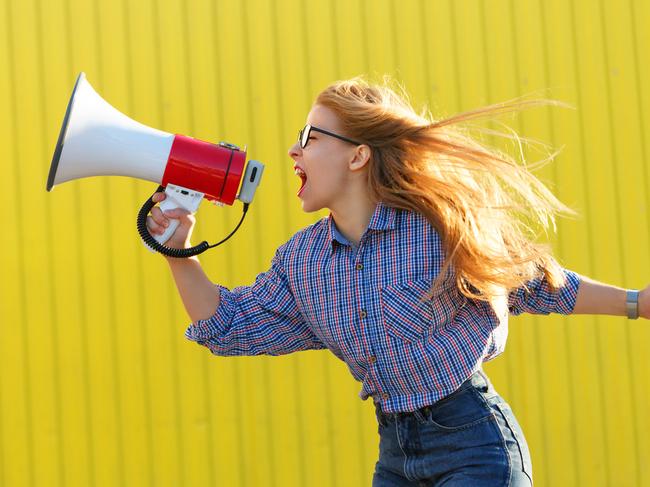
point(186, 221)
point(158, 197)
point(178, 213)
point(158, 217)
point(153, 227)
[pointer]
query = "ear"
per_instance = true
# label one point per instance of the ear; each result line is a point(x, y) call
point(360, 157)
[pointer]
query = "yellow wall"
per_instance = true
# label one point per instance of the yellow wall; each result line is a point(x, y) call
point(98, 385)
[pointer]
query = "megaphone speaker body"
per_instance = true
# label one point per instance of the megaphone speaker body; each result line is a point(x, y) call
point(98, 140)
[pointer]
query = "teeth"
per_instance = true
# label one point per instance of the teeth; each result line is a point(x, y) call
point(299, 172)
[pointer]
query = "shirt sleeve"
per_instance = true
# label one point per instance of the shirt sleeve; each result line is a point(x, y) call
point(259, 319)
point(538, 298)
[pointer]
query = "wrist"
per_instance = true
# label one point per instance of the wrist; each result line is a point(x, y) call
point(172, 244)
point(632, 303)
point(176, 261)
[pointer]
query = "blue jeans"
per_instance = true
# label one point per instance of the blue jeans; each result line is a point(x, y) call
point(469, 438)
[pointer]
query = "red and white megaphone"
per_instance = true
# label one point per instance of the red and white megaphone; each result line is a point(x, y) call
point(98, 140)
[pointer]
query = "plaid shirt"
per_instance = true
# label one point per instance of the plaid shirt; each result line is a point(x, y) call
point(364, 304)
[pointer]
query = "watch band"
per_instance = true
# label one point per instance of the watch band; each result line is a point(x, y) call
point(632, 304)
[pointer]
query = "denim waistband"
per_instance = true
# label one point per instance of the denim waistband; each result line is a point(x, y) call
point(478, 379)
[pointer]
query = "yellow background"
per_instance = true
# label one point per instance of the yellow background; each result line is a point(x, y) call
point(98, 385)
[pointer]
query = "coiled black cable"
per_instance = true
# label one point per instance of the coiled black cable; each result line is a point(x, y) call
point(169, 251)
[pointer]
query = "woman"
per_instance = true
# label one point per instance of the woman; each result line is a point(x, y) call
point(409, 280)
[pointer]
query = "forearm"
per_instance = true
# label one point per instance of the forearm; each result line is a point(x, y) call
point(599, 298)
point(200, 296)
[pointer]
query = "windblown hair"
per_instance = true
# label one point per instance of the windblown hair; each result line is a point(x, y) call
point(485, 206)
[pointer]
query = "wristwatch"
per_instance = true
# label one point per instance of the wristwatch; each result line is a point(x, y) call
point(632, 304)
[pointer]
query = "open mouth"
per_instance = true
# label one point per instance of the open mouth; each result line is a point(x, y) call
point(301, 174)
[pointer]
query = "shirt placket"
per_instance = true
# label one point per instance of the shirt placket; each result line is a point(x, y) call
point(365, 309)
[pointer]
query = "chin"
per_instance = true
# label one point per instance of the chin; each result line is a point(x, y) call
point(311, 207)
point(307, 208)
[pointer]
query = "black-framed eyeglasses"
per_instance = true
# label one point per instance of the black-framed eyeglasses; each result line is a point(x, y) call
point(303, 135)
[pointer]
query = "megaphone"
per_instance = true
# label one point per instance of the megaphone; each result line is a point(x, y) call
point(98, 140)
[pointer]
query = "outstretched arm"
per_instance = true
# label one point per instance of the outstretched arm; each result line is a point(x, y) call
point(598, 298)
point(199, 295)
point(579, 295)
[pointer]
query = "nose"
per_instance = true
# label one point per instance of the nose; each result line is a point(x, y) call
point(294, 150)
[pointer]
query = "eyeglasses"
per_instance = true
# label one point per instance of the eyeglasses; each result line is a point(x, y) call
point(303, 135)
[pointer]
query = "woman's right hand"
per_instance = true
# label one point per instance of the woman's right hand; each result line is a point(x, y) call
point(158, 221)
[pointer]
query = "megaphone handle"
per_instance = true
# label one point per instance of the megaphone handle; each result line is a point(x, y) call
point(169, 231)
point(152, 244)
point(177, 197)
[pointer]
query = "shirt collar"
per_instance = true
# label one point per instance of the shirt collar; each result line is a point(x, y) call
point(383, 218)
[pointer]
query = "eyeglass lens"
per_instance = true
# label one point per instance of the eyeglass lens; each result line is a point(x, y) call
point(304, 135)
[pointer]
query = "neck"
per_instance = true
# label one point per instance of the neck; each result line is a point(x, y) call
point(352, 218)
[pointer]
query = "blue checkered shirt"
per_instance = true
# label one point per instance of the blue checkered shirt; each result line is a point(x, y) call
point(364, 304)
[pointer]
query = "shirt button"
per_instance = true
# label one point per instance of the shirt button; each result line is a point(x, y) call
point(363, 313)
point(384, 396)
point(359, 267)
point(372, 359)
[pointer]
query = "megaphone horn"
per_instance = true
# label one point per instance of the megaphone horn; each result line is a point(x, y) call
point(98, 140)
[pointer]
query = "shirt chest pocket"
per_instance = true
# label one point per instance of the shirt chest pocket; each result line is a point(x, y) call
point(407, 316)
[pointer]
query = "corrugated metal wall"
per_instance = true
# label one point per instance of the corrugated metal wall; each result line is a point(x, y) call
point(98, 385)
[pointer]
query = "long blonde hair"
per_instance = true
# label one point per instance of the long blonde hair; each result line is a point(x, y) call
point(484, 204)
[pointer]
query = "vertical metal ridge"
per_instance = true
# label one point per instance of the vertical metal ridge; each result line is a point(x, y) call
point(575, 458)
point(335, 37)
point(639, 95)
point(139, 271)
point(395, 61)
point(109, 264)
point(454, 46)
point(247, 68)
point(426, 53)
point(364, 40)
point(618, 222)
point(590, 224)
point(20, 232)
point(246, 27)
point(309, 82)
point(83, 307)
point(56, 358)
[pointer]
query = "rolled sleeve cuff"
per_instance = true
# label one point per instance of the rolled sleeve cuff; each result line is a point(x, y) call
point(217, 324)
point(568, 293)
